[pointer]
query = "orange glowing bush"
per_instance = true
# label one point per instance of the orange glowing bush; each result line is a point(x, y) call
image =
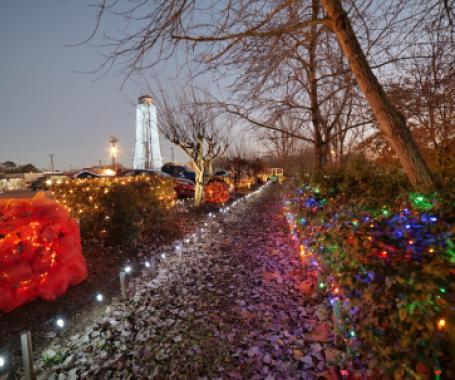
point(216, 192)
point(40, 251)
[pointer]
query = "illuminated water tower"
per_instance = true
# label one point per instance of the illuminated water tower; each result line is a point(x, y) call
point(114, 150)
point(147, 154)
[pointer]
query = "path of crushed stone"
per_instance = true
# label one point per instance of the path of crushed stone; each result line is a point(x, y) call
point(228, 307)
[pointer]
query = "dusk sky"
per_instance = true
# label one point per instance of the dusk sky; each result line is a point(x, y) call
point(45, 105)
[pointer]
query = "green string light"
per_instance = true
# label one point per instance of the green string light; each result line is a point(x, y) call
point(384, 211)
point(420, 201)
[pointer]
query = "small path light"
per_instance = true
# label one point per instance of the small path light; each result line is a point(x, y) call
point(60, 323)
point(441, 324)
point(2, 362)
point(99, 297)
point(128, 269)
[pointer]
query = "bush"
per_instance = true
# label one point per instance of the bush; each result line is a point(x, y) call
point(216, 192)
point(40, 251)
point(363, 180)
point(392, 259)
point(116, 210)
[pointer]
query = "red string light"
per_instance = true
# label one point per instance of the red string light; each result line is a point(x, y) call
point(40, 251)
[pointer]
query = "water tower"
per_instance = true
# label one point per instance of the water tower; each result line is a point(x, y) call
point(147, 154)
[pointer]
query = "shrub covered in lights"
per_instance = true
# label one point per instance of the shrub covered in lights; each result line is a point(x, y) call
point(216, 192)
point(116, 210)
point(40, 251)
point(391, 266)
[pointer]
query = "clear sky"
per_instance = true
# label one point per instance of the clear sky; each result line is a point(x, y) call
point(45, 105)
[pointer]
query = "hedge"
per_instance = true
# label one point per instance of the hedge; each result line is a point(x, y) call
point(389, 265)
point(116, 210)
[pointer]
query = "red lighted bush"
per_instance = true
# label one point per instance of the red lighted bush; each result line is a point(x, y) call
point(40, 251)
point(216, 192)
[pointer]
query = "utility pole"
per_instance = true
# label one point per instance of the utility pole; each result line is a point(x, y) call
point(52, 162)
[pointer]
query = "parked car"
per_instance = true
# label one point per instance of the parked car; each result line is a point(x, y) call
point(86, 174)
point(221, 173)
point(39, 184)
point(178, 171)
point(184, 188)
point(224, 175)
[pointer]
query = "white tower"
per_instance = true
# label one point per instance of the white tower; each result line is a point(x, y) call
point(147, 154)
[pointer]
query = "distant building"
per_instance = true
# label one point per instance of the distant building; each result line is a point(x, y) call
point(17, 181)
point(147, 154)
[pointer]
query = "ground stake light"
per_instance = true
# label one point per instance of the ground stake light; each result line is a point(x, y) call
point(60, 323)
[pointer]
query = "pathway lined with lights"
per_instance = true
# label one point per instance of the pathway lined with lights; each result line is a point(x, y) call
point(228, 302)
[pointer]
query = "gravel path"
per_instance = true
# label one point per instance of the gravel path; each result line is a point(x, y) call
point(229, 306)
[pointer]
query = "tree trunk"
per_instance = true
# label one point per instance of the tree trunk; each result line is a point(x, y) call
point(316, 117)
point(210, 169)
point(391, 122)
point(199, 178)
point(199, 187)
point(321, 153)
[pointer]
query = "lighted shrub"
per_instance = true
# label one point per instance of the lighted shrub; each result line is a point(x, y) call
point(40, 251)
point(393, 265)
point(216, 192)
point(116, 210)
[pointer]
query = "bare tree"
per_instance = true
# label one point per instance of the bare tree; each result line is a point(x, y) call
point(221, 32)
point(192, 125)
point(425, 97)
point(312, 89)
point(282, 142)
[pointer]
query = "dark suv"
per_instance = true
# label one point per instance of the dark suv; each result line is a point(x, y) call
point(178, 171)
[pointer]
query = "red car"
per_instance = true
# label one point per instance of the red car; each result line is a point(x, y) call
point(184, 188)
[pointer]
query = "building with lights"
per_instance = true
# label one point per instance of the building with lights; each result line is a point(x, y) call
point(147, 154)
